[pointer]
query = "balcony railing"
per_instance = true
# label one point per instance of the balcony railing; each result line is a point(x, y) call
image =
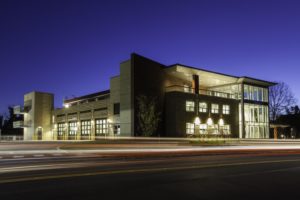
point(20, 124)
point(178, 88)
point(21, 109)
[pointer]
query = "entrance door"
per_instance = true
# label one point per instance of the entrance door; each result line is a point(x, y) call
point(39, 133)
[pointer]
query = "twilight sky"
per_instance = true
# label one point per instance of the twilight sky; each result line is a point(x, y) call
point(73, 47)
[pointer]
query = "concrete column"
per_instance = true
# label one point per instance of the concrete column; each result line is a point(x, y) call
point(195, 83)
point(275, 133)
point(243, 111)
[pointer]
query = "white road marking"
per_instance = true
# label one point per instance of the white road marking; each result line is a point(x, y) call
point(39, 155)
point(18, 156)
point(57, 154)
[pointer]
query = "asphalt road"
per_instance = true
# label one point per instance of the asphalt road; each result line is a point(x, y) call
point(229, 175)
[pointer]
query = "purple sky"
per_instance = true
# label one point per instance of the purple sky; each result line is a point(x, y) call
point(73, 47)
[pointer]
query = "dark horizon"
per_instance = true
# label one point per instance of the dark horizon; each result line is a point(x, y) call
point(73, 47)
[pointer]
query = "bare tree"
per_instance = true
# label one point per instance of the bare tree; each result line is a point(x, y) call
point(148, 116)
point(280, 99)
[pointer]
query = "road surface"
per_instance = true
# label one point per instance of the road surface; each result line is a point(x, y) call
point(234, 174)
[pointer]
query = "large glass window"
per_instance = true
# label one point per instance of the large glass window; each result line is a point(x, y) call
point(72, 128)
point(255, 93)
point(214, 108)
point(101, 126)
point(202, 107)
point(256, 121)
point(226, 109)
point(86, 127)
point(60, 129)
point(190, 128)
point(190, 106)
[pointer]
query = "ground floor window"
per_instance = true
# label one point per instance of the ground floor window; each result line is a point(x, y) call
point(225, 130)
point(101, 126)
point(190, 128)
point(213, 129)
point(60, 129)
point(256, 121)
point(72, 128)
point(203, 128)
point(86, 127)
point(117, 129)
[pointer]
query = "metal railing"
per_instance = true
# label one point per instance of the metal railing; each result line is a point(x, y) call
point(11, 138)
point(179, 88)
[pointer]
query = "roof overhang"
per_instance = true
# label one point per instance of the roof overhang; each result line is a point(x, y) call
point(207, 78)
point(255, 81)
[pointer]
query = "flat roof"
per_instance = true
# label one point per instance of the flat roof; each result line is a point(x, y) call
point(238, 78)
point(88, 96)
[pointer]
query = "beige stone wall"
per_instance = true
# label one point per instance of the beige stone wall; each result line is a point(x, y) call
point(126, 99)
point(39, 115)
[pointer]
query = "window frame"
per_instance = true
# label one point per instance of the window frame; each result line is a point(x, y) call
point(101, 128)
point(203, 109)
point(191, 107)
point(226, 111)
point(215, 110)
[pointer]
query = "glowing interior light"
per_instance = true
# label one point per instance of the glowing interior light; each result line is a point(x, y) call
point(221, 122)
point(197, 121)
point(209, 121)
point(66, 105)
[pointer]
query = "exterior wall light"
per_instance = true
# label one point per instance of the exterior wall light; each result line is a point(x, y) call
point(210, 121)
point(221, 122)
point(66, 105)
point(197, 121)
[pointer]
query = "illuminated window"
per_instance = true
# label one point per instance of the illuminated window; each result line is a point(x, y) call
point(187, 88)
point(86, 127)
point(255, 93)
point(190, 128)
point(214, 108)
point(117, 129)
point(101, 126)
point(72, 128)
point(226, 109)
point(202, 107)
point(190, 106)
point(203, 128)
point(225, 129)
point(60, 129)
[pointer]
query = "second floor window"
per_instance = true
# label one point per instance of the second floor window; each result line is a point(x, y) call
point(214, 108)
point(202, 107)
point(190, 106)
point(226, 109)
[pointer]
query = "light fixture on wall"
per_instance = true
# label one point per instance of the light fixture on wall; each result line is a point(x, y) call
point(197, 121)
point(209, 121)
point(221, 122)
